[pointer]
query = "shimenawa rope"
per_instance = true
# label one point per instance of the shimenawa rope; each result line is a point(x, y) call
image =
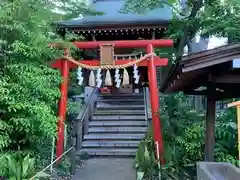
point(107, 67)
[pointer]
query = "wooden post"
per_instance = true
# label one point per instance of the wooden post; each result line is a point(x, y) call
point(210, 125)
point(86, 122)
point(237, 104)
point(73, 161)
point(73, 150)
point(62, 108)
point(79, 134)
point(154, 97)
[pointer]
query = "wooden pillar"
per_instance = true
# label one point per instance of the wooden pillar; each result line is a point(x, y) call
point(210, 124)
point(62, 108)
point(237, 105)
point(154, 97)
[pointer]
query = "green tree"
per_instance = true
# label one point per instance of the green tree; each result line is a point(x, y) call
point(184, 133)
point(29, 88)
point(206, 18)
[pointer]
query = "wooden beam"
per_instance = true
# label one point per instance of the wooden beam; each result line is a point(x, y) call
point(193, 92)
point(210, 124)
point(125, 44)
point(219, 50)
point(237, 103)
point(188, 81)
point(119, 27)
point(227, 78)
point(227, 94)
point(120, 44)
point(157, 61)
point(218, 59)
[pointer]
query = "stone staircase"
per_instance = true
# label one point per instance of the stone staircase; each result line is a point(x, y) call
point(117, 126)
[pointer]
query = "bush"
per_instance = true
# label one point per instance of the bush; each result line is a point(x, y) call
point(18, 167)
point(184, 133)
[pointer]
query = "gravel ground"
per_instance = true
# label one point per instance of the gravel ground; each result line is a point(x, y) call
point(107, 169)
point(61, 176)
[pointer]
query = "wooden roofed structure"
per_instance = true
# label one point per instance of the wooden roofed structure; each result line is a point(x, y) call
point(196, 71)
point(114, 25)
point(212, 73)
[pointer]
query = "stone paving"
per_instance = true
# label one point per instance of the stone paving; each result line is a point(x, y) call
point(107, 169)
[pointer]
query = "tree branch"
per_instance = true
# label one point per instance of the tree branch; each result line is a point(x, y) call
point(188, 29)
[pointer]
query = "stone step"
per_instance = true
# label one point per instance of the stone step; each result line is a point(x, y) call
point(117, 117)
point(114, 136)
point(117, 127)
point(108, 97)
point(127, 107)
point(117, 130)
point(109, 152)
point(117, 123)
point(121, 95)
point(119, 112)
point(110, 144)
point(121, 102)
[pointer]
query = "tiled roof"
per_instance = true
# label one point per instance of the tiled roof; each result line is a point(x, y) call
point(112, 16)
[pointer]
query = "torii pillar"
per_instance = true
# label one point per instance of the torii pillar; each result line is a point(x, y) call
point(62, 105)
point(155, 106)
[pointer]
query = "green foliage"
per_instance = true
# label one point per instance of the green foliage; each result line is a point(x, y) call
point(29, 87)
point(146, 165)
point(207, 18)
point(18, 167)
point(21, 169)
point(73, 8)
point(3, 162)
point(183, 127)
point(184, 133)
point(27, 105)
point(73, 107)
point(142, 6)
point(74, 88)
point(221, 18)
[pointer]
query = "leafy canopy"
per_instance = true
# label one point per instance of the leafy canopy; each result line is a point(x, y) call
point(29, 88)
point(192, 17)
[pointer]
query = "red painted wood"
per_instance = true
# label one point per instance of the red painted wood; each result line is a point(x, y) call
point(154, 98)
point(64, 66)
point(121, 44)
point(62, 107)
point(125, 44)
point(158, 62)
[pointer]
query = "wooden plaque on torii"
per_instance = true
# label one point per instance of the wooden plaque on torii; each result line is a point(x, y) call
point(107, 54)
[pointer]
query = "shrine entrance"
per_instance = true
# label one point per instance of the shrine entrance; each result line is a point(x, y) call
point(116, 76)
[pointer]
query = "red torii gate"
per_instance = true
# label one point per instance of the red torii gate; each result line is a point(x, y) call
point(64, 65)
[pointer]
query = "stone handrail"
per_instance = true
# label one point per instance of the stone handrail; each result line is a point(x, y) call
point(217, 171)
point(82, 120)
